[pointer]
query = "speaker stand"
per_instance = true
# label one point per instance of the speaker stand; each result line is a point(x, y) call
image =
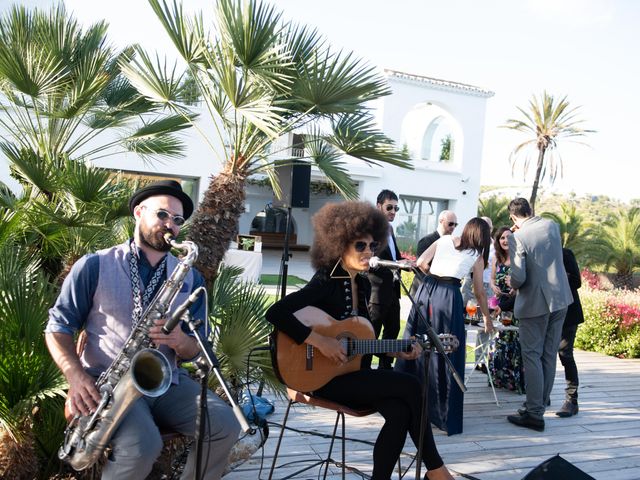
point(284, 264)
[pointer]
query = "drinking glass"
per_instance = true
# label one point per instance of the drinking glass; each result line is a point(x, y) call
point(472, 309)
point(506, 318)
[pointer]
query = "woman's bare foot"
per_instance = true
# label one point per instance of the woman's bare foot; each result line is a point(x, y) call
point(439, 474)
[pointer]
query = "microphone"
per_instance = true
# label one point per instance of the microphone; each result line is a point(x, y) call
point(180, 311)
point(375, 262)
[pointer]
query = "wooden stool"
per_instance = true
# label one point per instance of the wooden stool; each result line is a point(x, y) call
point(341, 410)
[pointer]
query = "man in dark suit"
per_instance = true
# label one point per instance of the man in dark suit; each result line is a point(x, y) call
point(543, 295)
point(573, 318)
point(447, 223)
point(384, 303)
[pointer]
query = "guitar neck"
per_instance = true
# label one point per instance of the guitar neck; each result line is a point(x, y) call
point(364, 347)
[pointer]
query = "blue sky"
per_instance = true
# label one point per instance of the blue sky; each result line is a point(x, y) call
point(586, 49)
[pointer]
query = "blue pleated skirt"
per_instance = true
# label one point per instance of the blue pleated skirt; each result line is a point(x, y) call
point(441, 304)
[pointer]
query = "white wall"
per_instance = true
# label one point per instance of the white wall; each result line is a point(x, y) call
point(457, 182)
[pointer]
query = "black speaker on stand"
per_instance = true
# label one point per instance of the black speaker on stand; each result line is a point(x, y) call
point(295, 184)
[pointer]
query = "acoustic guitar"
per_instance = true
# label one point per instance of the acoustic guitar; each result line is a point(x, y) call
point(305, 369)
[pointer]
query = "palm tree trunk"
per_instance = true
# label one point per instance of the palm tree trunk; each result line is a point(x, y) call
point(623, 280)
point(215, 223)
point(536, 179)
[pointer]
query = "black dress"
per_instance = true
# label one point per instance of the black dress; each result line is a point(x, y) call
point(396, 396)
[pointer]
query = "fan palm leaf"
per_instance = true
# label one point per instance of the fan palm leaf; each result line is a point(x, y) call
point(237, 316)
point(617, 245)
point(576, 233)
point(27, 373)
point(496, 208)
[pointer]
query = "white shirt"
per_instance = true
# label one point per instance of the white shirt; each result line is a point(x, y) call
point(392, 245)
point(449, 262)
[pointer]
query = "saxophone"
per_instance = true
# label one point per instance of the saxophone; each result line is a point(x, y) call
point(137, 370)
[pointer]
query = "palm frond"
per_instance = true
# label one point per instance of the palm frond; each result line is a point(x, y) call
point(357, 136)
point(154, 79)
point(186, 34)
point(254, 33)
point(237, 315)
point(328, 160)
point(333, 83)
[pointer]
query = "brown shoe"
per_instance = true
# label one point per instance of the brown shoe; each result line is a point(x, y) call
point(568, 409)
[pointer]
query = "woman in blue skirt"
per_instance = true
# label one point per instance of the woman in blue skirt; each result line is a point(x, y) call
point(439, 299)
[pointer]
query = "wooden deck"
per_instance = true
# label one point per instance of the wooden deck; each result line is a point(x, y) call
point(603, 440)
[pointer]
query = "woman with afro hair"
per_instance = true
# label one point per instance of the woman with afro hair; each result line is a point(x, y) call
point(346, 236)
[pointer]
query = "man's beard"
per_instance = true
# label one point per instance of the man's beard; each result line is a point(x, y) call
point(151, 239)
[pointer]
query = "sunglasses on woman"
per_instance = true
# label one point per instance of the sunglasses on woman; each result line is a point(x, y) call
point(360, 246)
point(163, 215)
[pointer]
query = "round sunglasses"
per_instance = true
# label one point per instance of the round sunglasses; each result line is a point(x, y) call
point(360, 246)
point(163, 215)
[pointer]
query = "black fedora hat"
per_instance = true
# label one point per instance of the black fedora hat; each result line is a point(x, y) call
point(163, 187)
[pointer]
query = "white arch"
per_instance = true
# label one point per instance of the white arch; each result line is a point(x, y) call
point(423, 129)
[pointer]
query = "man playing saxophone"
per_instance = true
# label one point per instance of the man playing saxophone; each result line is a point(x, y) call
point(106, 294)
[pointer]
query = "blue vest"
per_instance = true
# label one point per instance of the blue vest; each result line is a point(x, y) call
point(108, 324)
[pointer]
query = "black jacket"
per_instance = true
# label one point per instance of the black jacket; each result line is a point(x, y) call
point(383, 288)
point(425, 242)
point(328, 291)
point(575, 315)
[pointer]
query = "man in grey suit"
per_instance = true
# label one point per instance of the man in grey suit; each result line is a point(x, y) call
point(543, 295)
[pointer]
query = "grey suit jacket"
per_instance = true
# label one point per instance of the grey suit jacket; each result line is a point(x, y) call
point(537, 270)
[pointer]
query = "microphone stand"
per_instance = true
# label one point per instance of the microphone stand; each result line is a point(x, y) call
point(206, 362)
point(437, 345)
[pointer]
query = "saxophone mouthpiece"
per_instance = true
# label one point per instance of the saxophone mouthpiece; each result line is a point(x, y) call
point(169, 238)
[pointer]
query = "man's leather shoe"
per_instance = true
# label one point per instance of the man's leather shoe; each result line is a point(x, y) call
point(527, 421)
point(568, 409)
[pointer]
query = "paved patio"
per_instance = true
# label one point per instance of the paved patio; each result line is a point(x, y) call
point(603, 439)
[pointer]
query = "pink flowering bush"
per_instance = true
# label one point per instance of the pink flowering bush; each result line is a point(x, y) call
point(612, 322)
point(409, 255)
point(591, 279)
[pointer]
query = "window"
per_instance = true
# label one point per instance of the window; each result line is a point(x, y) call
point(438, 141)
point(418, 216)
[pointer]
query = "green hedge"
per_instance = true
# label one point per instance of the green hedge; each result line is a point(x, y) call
point(612, 323)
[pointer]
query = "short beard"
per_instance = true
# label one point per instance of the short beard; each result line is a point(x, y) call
point(150, 239)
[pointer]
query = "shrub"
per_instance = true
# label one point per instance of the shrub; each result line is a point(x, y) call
point(612, 323)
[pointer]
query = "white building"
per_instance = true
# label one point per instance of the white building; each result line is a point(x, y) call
point(423, 115)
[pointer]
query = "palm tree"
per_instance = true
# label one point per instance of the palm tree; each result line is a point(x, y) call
point(496, 208)
point(618, 245)
point(546, 123)
point(261, 78)
point(30, 383)
point(63, 103)
point(577, 234)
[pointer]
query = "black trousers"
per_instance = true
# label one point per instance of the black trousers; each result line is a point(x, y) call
point(387, 317)
point(565, 351)
point(398, 398)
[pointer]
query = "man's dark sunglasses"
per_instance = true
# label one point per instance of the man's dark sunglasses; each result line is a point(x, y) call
point(395, 208)
point(164, 215)
point(360, 246)
point(453, 224)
